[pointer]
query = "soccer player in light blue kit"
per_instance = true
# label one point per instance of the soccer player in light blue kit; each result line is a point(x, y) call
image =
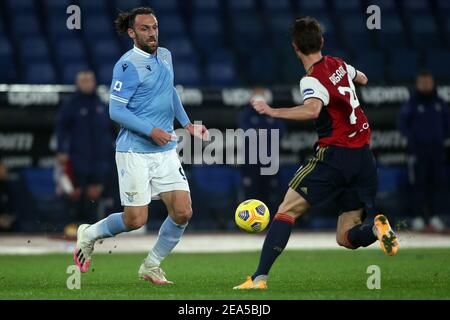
point(145, 103)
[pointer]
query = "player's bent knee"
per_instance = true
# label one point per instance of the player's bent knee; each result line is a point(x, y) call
point(135, 223)
point(135, 217)
point(182, 215)
point(294, 211)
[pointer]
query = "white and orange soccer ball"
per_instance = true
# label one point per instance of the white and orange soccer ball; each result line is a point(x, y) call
point(252, 216)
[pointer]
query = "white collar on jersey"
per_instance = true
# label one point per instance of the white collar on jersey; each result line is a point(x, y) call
point(142, 52)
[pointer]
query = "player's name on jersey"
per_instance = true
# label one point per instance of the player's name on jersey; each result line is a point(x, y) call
point(338, 75)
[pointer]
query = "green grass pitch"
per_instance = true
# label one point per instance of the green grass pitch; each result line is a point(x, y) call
point(320, 274)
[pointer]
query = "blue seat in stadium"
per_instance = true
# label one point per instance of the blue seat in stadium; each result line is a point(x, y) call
point(386, 6)
point(180, 47)
point(354, 23)
point(372, 63)
point(346, 6)
point(214, 191)
point(8, 72)
point(424, 32)
point(341, 53)
point(240, 6)
point(40, 73)
point(208, 33)
point(279, 25)
point(291, 68)
point(126, 5)
point(391, 178)
point(416, 6)
point(248, 33)
point(126, 43)
point(105, 49)
point(70, 50)
point(97, 27)
point(263, 68)
point(48, 209)
point(57, 30)
point(326, 23)
point(392, 31)
point(105, 72)
point(89, 6)
point(206, 6)
point(163, 6)
point(70, 70)
point(56, 6)
point(25, 25)
point(33, 49)
point(403, 65)
point(443, 6)
point(311, 7)
point(170, 25)
point(354, 31)
point(220, 70)
point(272, 6)
point(437, 61)
point(187, 73)
point(356, 41)
point(20, 6)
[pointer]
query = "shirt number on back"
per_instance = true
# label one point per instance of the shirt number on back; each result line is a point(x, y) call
point(354, 102)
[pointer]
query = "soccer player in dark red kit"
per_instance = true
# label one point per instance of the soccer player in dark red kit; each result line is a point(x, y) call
point(343, 168)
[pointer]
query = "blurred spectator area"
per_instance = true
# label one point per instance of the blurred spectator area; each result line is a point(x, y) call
point(223, 42)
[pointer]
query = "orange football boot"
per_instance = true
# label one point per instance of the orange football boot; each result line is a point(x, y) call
point(250, 284)
point(386, 236)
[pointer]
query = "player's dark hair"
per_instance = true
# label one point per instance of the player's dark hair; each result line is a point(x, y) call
point(306, 34)
point(126, 19)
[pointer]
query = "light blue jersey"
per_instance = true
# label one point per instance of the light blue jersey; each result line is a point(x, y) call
point(142, 98)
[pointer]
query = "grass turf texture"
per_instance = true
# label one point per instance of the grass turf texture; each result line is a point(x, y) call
point(320, 274)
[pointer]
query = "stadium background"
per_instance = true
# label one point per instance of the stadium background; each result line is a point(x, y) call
point(221, 50)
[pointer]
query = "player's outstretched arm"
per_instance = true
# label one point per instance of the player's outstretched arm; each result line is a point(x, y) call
point(360, 78)
point(310, 110)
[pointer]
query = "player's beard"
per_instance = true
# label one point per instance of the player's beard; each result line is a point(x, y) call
point(145, 45)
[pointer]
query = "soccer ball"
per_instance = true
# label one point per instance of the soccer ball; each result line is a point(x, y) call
point(252, 216)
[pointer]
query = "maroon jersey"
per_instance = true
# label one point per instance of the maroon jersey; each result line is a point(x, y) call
point(342, 121)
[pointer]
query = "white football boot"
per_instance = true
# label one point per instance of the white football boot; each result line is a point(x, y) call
point(83, 249)
point(153, 273)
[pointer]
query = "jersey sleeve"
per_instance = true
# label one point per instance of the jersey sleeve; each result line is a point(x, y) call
point(351, 71)
point(311, 88)
point(125, 82)
point(180, 113)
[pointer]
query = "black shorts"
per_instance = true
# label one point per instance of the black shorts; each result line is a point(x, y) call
point(344, 175)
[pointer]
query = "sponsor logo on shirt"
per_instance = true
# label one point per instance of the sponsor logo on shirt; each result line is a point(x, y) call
point(118, 86)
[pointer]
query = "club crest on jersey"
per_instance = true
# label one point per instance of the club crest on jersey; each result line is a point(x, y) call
point(308, 92)
point(131, 196)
